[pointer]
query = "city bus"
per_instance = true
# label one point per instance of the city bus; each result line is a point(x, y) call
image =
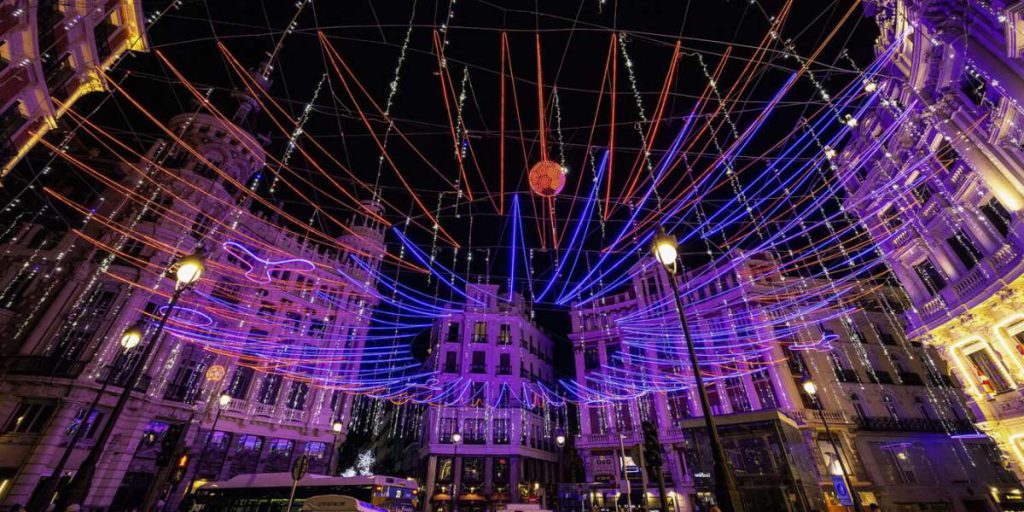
point(268, 492)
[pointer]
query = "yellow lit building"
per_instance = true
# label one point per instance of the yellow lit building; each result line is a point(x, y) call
point(51, 53)
point(943, 191)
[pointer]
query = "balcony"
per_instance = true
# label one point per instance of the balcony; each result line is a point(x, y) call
point(479, 338)
point(608, 439)
point(477, 368)
point(504, 370)
point(886, 424)
point(880, 377)
point(847, 375)
point(43, 366)
point(911, 379)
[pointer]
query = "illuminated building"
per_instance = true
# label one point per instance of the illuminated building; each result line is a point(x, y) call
point(51, 53)
point(507, 451)
point(66, 302)
point(947, 217)
point(901, 425)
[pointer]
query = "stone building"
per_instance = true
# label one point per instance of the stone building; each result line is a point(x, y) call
point(490, 352)
point(51, 53)
point(897, 418)
point(67, 300)
point(942, 190)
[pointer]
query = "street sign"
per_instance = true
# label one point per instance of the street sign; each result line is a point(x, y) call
point(300, 467)
point(842, 492)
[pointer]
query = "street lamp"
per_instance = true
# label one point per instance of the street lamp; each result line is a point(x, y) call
point(812, 391)
point(666, 251)
point(456, 439)
point(337, 427)
point(129, 339)
point(187, 271)
point(560, 440)
point(224, 400)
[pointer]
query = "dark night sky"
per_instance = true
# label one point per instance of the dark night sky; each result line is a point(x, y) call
point(368, 35)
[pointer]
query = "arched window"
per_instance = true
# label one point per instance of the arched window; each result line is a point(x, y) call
point(858, 406)
point(890, 406)
point(924, 407)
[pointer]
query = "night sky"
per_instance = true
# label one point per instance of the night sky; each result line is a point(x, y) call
point(574, 36)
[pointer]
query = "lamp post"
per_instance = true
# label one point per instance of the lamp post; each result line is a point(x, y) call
point(187, 272)
point(456, 439)
point(812, 390)
point(560, 443)
point(727, 495)
point(224, 400)
point(336, 428)
point(625, 474)
point(129, 340)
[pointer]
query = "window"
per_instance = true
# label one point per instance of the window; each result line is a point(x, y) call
point(858, 407)
point(269, 389)
point(973, 86)
point(479, 364)
point(240, 382)
point(502, 431)
point(444, 469)
point(473, 431)
point(505, 335)
point(679, 404)
point(473, 469)
point(930, 276)
point(737, 394)
point(29, 418)
point(922, 193)
point(453, 332)
point(446, 427)
point(764, 389)
point(477, 395)
point(891, 219)
point(297, 395)
point(501, 470)
point(965, 249)
point(11, 120)
point(480, 332)
point(891, 407)
point(451, 362)
point(996, 214)
point(505, 364)
point(597, 423)
point(623, 417)
point(990, 378)
point(91, 424)
point(102, 32)
point(591, 359)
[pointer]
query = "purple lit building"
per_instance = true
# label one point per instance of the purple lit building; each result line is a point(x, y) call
point(66, 302)
point(939, 183)
point(507, 454)
point(896, 416)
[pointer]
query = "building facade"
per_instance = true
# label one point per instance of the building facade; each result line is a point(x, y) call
point(937, 177)
point(51, 53)
point(489, 351)
point(896, 417)
point(67, 300)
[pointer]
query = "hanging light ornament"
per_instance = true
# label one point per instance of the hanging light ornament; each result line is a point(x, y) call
point(547, 178)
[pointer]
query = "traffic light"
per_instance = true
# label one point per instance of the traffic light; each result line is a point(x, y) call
point(180, 467)
point(652, 446)
point(167, 445)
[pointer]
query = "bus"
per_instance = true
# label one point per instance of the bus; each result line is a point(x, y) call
point(268, 492)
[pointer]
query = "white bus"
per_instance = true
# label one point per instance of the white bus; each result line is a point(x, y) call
point(268, 492)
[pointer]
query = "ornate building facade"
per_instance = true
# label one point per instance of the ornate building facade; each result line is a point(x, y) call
point(490, 351)
point(896, 417)
point(66, 302)
point(51, 53)
point(942, 195)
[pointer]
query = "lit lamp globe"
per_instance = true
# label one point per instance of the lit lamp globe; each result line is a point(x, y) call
point(337, 427)
point(547, 178)
point(224, 400)
point(666, 249)
point(456, 438)
point(810, 388)
point(560, 440)
point(132, 337)
point(190, 269)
